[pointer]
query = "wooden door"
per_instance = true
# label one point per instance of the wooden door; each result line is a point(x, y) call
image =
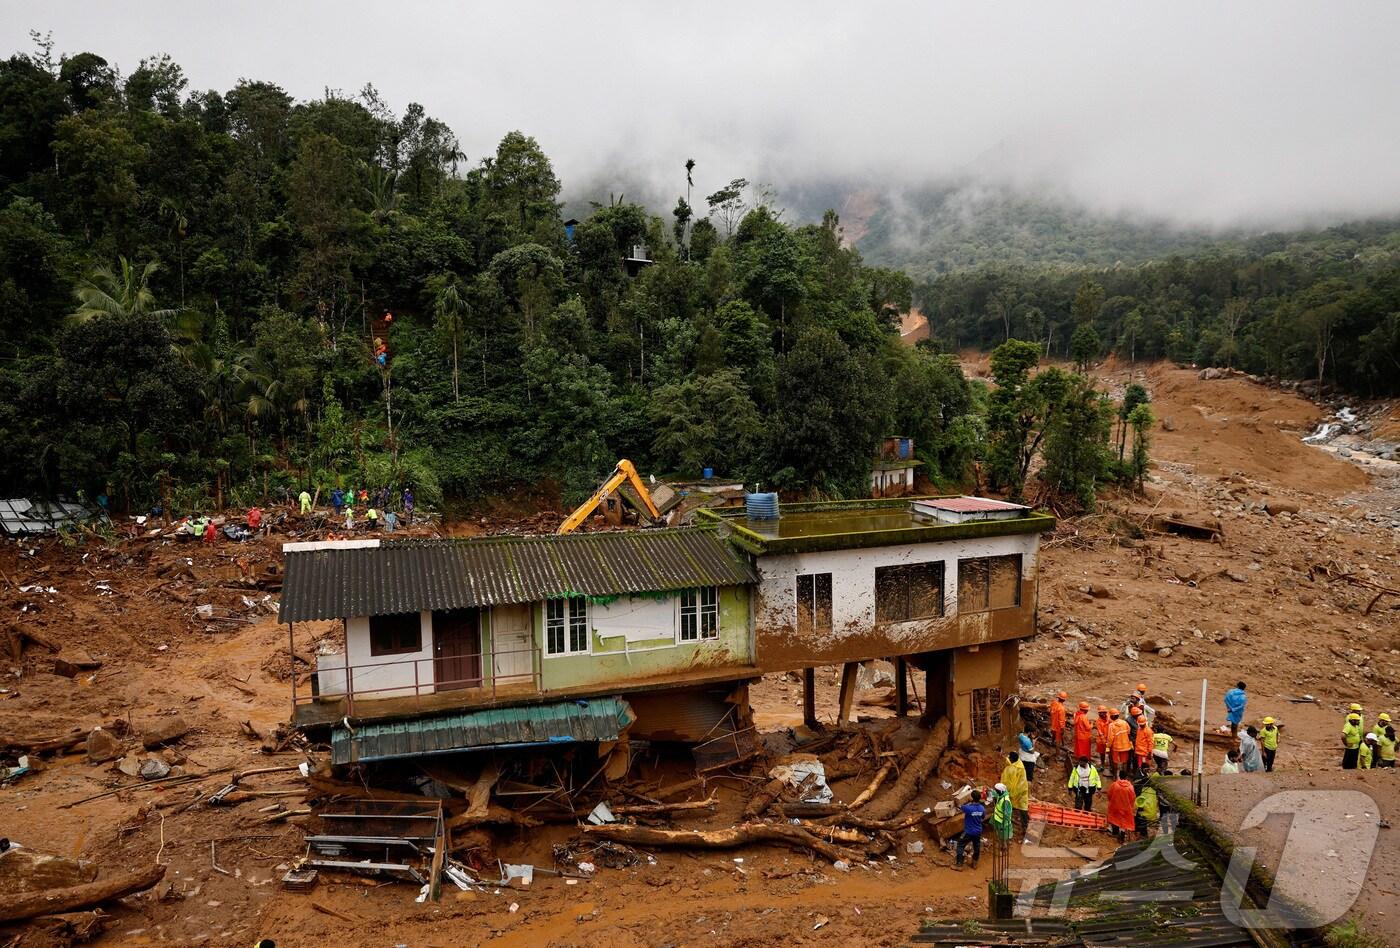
point(456, 649)
point(512, 644)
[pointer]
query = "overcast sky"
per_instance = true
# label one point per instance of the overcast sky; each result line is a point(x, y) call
point(1205, 113)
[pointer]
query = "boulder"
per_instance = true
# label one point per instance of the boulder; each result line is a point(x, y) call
point(1275, 507)
point(102, 746)
point(171, 729)
point(154, 768)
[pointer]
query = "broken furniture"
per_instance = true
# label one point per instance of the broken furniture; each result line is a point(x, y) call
point(380, 837)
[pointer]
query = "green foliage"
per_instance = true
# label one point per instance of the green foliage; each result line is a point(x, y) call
point(1076, 451)
point(1084, 346)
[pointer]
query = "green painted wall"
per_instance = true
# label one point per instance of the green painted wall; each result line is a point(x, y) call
point(610, 663)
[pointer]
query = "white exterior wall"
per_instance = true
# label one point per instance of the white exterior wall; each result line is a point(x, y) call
point(635, 619)
point(396, 677)
point(853, 580)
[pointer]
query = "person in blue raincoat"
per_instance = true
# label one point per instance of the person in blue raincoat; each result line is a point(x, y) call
point(1235, 700)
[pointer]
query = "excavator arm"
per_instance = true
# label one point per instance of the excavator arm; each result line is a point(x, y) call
point(624, 472)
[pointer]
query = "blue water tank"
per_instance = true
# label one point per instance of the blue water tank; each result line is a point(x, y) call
point(904, 445)
point(761, 506)
point(707, 473)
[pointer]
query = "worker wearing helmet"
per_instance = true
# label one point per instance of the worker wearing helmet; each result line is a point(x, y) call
point(1351, 741)
point(1119, 741)
point(1083, 731)
point(1366, 755)
point(1058, 715)
point(1101, 724)
point(1001, 812)
point(1268, 742)
point(1142, 742)
point(1385, 741)
point(1359, 711)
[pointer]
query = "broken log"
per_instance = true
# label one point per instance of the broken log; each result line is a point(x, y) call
point(869, 791)
point(646, 809)
point(676, 789)
point(44, 745)
point(764, 798)
point(28, 870)
point(17, 908)
point(744, 834)
point(914, 775)
point(479, 795)
point(865, 823)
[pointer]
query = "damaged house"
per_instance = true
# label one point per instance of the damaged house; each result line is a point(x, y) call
point(444, 646)
point(943, 584)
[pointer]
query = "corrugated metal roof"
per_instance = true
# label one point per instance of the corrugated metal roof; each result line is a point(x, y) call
point(598, 719)
point(413, 575)
point(20, 515)
point(972, 504)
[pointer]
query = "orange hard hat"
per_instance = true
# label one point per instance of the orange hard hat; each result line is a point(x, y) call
point(1103, 709)
point(1083, 706)
point(1062, 695)
point(1136, 711)
point(1113, 712)
point(1142, 686)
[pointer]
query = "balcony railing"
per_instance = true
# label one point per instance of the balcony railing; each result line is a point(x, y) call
point(415, 679)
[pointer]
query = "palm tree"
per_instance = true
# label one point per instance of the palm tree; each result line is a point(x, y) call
point(451, 310)
point(382, 191)
point(179, 228)
point(124, 292)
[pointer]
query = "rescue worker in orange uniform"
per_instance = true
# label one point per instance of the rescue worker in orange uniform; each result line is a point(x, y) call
point(1083, 731)
point(1119, 743)
point(1101, 724)
point(1143, 745)
point(1122, 804)
point(1057, 718)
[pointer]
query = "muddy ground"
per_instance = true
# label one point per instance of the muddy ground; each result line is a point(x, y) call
point(1264, 604)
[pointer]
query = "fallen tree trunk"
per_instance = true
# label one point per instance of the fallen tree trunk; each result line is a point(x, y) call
point(914, 775)
point(742, 835)
point(44, 745)
point(676, 789)
point(17, 908)
point(865, 823)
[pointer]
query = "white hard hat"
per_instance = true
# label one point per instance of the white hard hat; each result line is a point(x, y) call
point(1000, 788)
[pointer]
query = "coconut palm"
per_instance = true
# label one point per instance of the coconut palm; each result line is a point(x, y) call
point(123, 292)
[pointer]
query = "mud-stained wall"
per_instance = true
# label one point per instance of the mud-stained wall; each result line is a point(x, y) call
point(854, 634)
point(994, 665)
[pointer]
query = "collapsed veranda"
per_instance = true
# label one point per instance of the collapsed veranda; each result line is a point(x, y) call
point(456, 645)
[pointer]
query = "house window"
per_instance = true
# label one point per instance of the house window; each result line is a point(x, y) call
point(986, 711)
point(912, 591)
point(566, 626)
point(814, 602)
point(395, 635)
point(989, 582)
point(699, 614)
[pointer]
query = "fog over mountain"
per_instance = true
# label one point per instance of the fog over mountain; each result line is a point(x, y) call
point(1198, 114)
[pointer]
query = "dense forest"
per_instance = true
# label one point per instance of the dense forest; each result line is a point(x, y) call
point(1319, 305)
point(215, 298)
point(218, 297)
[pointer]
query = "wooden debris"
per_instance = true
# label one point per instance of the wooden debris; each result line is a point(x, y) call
point(16, 908)
point(639, 809)
point(742, 835)
point(914, 775)
point(869, 791)
point(72, 664)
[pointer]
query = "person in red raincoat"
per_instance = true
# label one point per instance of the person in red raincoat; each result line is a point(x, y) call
point(1057, 718)
point(1122, 806)
point(1083, 731)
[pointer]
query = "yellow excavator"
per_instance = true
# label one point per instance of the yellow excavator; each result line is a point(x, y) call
point(624, 472)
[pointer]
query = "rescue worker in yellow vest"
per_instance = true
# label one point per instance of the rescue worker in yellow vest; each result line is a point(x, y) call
point(1366, 755)
point(1147, 812)
point(1351, 741)
point(1161, 750)
point(1385, 740)
point(1268, 743)
point(1357, 710)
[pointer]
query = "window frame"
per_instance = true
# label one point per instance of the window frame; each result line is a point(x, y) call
point(570, 623)
point(703, 615)
point(987, 565)
point(940, 570)
point(814, 582)
point(375, 649)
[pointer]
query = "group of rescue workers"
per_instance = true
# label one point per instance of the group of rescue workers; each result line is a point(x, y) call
point(1363, 749)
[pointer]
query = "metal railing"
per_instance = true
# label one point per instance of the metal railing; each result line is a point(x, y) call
point(486, 683)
